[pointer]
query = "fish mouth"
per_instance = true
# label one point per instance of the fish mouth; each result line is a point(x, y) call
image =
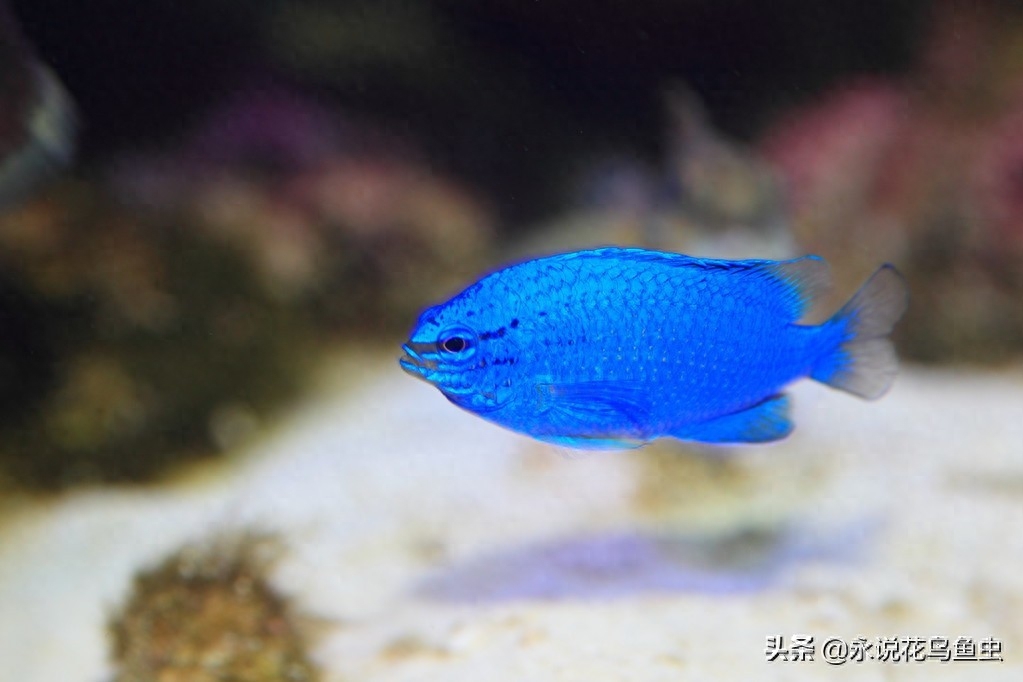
point(414, 363)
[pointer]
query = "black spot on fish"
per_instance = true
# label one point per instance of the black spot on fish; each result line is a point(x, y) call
point(514, 323)
point(542, 313)
point(496, 334)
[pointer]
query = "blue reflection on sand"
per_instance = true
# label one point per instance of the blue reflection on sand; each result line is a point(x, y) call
point(613, 566)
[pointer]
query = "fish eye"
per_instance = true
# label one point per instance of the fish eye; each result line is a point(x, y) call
point(457, 342)
point(454, 344)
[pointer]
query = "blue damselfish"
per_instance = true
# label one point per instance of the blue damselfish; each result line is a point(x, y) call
point(614, 347)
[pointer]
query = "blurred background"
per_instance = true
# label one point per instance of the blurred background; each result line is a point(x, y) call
point(256, 183)
point(213, 212)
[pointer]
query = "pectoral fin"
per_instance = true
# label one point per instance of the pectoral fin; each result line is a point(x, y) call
point(593, 414)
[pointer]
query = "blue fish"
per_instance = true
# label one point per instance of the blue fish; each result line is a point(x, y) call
point(614, 347)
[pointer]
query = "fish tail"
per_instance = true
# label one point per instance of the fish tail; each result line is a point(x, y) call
point(860, 358)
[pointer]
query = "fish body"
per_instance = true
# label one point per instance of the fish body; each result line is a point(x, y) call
point(615, 347)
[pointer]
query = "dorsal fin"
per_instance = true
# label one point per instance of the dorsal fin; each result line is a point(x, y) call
point(803, 281)
point(806, 280)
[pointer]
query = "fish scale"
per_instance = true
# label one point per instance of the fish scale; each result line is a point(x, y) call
point(615, 347)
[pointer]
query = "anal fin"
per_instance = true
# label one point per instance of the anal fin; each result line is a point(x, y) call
point(764, 422)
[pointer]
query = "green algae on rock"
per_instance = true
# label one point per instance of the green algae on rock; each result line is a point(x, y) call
point(147, 331)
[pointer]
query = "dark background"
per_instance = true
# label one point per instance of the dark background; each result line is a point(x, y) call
point(195, 239)
point(507, 93)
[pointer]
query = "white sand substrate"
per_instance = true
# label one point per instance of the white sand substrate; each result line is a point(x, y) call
point(439, 547)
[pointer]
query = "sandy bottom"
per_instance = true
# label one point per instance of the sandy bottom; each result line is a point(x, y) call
point(438, 547)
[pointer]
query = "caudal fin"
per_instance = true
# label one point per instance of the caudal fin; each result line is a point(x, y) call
point(862, 359)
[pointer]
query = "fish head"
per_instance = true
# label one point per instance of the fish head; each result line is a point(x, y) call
point(461, 349)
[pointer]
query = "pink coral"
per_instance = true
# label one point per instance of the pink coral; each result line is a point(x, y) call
point(997, 178)
point(318, 203)
point(925, 171)
point(836, 143)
